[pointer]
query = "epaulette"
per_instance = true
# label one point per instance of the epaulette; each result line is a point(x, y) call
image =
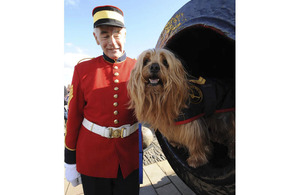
point(84, 59)
point(200, 81)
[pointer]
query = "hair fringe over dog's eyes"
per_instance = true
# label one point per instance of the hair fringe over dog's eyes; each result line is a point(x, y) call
point(165, 62)
point(145, 61)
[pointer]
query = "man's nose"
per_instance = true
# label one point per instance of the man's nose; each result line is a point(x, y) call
point(112, 40)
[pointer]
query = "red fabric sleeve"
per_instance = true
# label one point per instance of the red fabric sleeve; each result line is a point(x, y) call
point(75, 114)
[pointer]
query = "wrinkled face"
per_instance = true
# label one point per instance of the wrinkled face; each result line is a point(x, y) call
point(111, 39)
point(155, 68)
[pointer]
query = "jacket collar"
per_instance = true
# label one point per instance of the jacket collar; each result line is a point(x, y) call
point(120, 59)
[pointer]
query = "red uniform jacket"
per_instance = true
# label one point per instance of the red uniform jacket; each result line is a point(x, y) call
point(99, 88)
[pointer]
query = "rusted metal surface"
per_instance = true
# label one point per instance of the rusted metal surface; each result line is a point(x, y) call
point(202, 35)
point(216, 14)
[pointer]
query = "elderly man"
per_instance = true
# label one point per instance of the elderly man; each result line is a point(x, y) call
point(101, 141)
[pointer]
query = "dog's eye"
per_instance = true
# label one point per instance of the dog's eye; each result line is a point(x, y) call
point(146, 60)
point(165, 62)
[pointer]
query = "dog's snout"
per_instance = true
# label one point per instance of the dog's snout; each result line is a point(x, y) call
point(154, 68)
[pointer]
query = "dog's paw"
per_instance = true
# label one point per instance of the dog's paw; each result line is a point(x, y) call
point(196, 162)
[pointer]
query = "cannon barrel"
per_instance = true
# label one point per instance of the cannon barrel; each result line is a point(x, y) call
point(202, 34)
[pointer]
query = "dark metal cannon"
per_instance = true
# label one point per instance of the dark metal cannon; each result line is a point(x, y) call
point(202, 34)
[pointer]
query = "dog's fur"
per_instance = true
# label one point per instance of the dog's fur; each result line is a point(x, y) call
point(159, 103)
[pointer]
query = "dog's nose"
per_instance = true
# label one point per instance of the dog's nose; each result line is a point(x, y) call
point(154, 68)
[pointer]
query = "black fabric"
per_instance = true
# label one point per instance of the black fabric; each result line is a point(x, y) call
point(120, 59)
point(70, 156)
point(107, 186)
point(108, 22)
point(212, 96)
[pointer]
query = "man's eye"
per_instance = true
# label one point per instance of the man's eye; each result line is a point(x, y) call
point(117, 36)
point(104, 37)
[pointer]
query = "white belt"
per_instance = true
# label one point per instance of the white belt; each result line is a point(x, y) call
point(110, 132)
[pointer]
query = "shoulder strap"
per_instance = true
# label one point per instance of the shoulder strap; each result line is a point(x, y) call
point(84, 59)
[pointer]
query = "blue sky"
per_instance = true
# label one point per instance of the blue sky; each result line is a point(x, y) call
point(144, 21)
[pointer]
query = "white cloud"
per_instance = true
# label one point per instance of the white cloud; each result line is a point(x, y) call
point(69, 44)
point(72, 2)
point(70, 60)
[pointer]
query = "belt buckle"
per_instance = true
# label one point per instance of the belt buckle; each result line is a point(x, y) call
point(116, 133)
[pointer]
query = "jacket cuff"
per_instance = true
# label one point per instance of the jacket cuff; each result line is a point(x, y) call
point(70, 156)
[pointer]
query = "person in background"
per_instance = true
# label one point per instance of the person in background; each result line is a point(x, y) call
point(66, 96)
point(101, 141)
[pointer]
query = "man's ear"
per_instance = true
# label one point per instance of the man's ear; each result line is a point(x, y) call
point(124, 35)
point(95, 36)
point(125, 38)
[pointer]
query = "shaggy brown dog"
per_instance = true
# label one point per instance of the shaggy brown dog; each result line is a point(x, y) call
point(159, 90)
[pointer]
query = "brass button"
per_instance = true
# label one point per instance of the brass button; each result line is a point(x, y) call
point(116, 88)
point(116, 96)
point(116, 121)
point(116, 81)
point(115, 104)
point(116, 112)
point(116, 74)
point(116, 67)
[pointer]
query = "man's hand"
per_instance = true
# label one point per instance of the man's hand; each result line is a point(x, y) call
point(72, 174)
